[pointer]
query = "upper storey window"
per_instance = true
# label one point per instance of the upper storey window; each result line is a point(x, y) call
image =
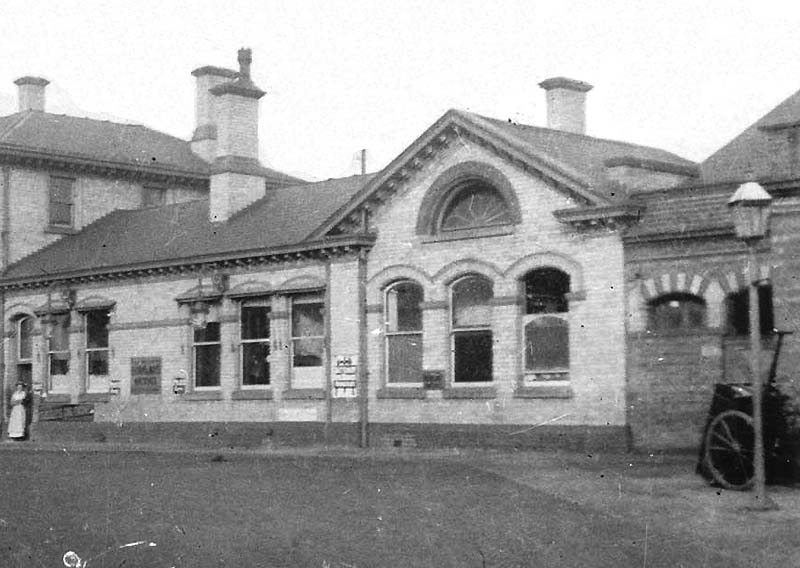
point(472, 205)
point(61, 201)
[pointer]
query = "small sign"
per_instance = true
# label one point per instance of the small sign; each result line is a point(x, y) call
point(345, 382)
point(145, 375)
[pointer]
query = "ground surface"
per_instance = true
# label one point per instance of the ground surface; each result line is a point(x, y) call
point(362, 510)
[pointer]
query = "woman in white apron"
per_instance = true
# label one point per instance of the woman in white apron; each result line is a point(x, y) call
point(16, 422)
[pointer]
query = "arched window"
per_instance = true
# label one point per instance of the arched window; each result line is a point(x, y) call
point(545, 328)
point(471, 332)
point(403, 318)
point(676, 311)
point(473, 204)
point(738, 311)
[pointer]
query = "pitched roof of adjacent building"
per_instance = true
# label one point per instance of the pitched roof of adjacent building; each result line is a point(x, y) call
point(764, 151)
point(46, 135)
point(130, 239)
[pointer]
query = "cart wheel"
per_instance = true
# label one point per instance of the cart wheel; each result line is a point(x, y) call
point(729, 449)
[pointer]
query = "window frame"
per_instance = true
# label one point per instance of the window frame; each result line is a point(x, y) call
point(390, 334)
point(18, 352)
point(305, 299)
point(737, 312)
point(52, 203)
point(471, 185)
point(51, 353)
point(558, 310)
point(469, 330)
point(89, 351)
point(207, 344)
point(265, 303)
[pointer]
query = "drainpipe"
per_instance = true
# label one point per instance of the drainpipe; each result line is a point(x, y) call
point(4, 248)
point(363, 375)
point(5, 234)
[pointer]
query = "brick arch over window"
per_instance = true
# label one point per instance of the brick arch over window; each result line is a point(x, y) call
point(454, 270)
point(391, 274)
point(15, 313)
point(691, 283)
point(453, 181)
point(571, 267)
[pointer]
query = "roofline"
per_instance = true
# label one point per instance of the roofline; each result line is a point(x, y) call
point(21, 153)
point(653, 165)
point(460, 120)
point(328, 245)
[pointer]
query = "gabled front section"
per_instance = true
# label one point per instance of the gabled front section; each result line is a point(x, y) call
point(491, 314)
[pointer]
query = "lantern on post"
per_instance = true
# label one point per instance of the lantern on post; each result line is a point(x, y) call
point(199, 309)
point(750, 208)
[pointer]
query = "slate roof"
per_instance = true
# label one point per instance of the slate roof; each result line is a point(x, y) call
point(686, 211)
point(152, 237)
point(586, 155)
point(104, 142)
point(761, 150)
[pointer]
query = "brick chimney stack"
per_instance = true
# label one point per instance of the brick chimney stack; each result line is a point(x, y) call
point(236, 174)
point(31, 93)
point(566, 104)
point(204, 139)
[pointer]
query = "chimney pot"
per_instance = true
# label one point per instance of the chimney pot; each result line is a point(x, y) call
point(31, 93)
point(566, 104)
point(245, 59)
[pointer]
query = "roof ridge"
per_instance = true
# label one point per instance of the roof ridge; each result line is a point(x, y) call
point(576, 135)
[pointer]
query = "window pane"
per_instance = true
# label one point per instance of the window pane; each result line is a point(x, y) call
point(98, 362)
point(738, 309)
point(307, 352)
point(477, 205)
point(546, 344)
point(154, 197)
point(60, 190)
point(403, 311)
point(208, 334)
point(97, 329)
point(206, 361)
point(25, 341)
point(60, 214)
point(307, 320)
point(405, 358)
point(545, 291)
point(255, 364)
point(59, 363)
point(255, 322)
point(471, 302)
point(677, 312)
point(59, 338)
point(473, 356)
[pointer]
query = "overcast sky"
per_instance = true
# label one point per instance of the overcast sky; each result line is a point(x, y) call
point(346, 75)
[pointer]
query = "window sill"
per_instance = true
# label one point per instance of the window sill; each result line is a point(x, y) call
point(304, 394)
point(390, 392)
point(252, 394)
point(544, 391)
point(201, 395)
point(477, 233)
point(94, 397)
point(61, 230)
point(470, 392)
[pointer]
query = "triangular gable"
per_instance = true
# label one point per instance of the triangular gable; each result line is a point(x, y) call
point(455, 124)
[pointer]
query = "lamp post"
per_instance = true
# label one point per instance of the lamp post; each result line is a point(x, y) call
point(750, 208)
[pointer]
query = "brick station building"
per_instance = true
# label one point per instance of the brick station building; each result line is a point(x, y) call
point(490, 286)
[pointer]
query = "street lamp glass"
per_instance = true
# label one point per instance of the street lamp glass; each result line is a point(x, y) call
point(750, 209)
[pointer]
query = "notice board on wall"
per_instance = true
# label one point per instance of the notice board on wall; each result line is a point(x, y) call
point(145, 375)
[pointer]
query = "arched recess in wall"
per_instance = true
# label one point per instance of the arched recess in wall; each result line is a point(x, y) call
point(470, 196)
point(680, 301)
point(386, 277)
point(517, 271)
